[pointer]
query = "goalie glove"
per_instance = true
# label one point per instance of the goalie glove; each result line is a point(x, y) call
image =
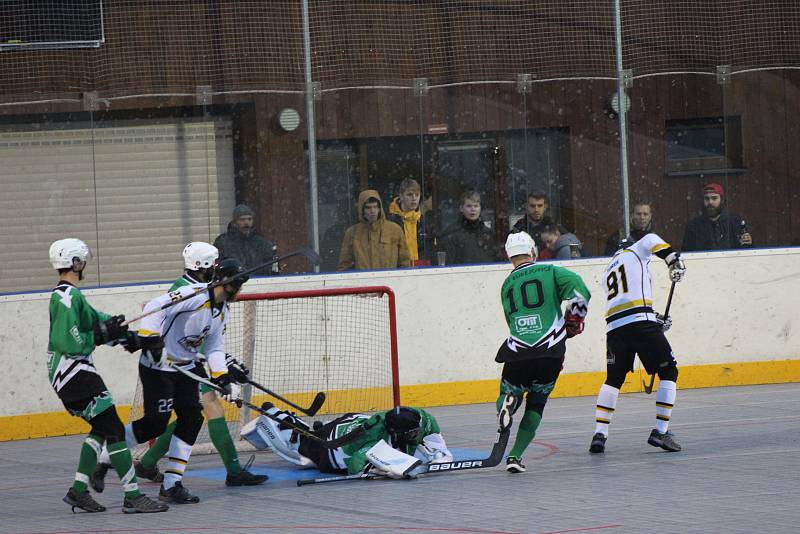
point(574, 324)
point(676, 269)
point(237, 369)
point(665, 322)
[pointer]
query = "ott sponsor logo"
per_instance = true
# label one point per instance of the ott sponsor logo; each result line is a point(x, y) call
point(529, 323)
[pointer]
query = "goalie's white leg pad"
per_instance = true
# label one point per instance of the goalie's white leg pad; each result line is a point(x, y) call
point(396, 464)
point(262, 433)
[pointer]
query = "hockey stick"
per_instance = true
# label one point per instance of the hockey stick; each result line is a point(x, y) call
point(649, 388)
point(332, 444)
point(316, 404)
point(312, 256)
point(494, 458)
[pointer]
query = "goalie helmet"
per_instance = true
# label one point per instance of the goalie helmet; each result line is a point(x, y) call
point(403, 426)
point(519, 244)
point(199, 255)
point(64, 252)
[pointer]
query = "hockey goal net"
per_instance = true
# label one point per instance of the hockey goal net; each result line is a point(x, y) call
point(341, 341)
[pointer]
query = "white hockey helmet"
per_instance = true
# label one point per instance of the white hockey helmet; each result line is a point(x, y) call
point(199, 255)
point(521, 243)
point(64, 251)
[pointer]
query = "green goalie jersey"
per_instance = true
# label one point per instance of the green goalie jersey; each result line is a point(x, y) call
point(532, 295)
point(353, 455)
point(71, 340)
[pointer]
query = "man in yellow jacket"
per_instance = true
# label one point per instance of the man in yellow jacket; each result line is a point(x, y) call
point(373, 242)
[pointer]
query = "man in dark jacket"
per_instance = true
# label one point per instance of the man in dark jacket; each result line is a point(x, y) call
point(641, 225)
point(244, 243)
point(535, 219)
point(470, 240)
point(716, 228)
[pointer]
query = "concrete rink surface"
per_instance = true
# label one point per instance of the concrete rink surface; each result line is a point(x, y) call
point(739, 471)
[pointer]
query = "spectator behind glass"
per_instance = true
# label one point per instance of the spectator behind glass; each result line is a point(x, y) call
point(562, 245)
point(373, 242)
point(535, 219)
point(641, 225)
point(406, 212)
point(470, 240)
point(716, 228)
point(244, 243)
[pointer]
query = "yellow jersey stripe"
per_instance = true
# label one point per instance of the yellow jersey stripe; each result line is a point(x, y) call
point(627, 305)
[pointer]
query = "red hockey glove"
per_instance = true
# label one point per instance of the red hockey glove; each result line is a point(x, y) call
point(574, 324)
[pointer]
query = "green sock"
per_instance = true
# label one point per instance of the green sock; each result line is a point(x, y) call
point(123, 465)
point(159, 448)
point(87, 462)
point(221, 438)
point(527, 430)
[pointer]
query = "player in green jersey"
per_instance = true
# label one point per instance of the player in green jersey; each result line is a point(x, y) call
point(409, 430)
point(75, 329)
point(533, 353)
point(199, 259)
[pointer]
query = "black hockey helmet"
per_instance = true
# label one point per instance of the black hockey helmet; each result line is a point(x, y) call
point(230, 269)
point(624, 243)
point(403, 425)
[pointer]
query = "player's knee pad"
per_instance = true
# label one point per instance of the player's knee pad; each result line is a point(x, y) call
point(615, 377)
point(670, 372)
point(534, 405)
point(150, 426)
point(108, 425)
point(188, 425)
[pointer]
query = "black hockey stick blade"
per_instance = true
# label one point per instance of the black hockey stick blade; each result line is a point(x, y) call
point(648, 388)
point(316, 404)
point(328, 444)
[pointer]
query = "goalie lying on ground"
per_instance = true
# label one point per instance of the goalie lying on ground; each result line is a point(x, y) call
point(408, 430)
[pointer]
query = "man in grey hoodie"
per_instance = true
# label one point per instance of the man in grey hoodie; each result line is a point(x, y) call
point(563, 245)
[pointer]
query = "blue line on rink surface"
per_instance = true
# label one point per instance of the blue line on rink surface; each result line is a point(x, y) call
point(287, 471)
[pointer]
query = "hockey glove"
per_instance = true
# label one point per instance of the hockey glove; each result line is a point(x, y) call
point(223, 381)
point(152, 348)
point(110, 331)
point(237, 369)
point(131, 342)
point(574, 324)
point(235, 395)
point(677, 269)
point(665, 322)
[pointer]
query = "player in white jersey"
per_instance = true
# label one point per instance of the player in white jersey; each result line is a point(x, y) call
point(172, 337)
point(634, 328)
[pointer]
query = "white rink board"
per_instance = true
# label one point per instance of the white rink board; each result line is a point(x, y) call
point(732, 307)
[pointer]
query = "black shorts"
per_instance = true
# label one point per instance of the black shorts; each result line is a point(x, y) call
point(536, 378)
point(164, 391)
point(644, 338)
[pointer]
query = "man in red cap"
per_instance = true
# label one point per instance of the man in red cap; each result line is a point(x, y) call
point(716, 228)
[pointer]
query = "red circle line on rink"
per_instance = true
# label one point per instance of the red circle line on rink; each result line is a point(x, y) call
point(308, 527)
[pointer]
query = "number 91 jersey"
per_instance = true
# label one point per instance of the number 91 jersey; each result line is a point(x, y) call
point(628, 284)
